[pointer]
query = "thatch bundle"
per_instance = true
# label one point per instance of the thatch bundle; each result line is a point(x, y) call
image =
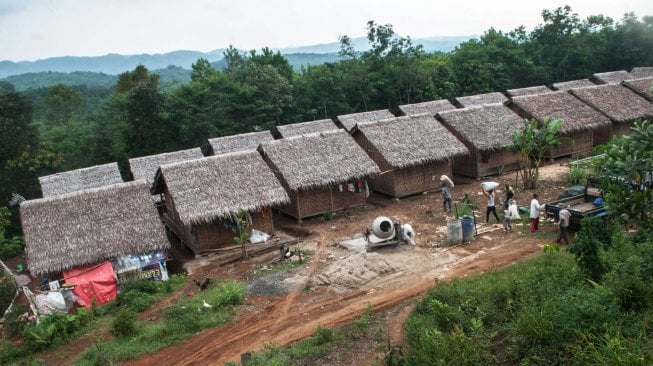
point(576, 115)
point(616, 101)
point(318, 160)
point(80, 179)
point(85, 227)
point(241, 142)
point(572, 84)
point(348, 121)
point(487, 128)
point(641, 86)
point(220, 186)
point(145, 167)
point(432, 107)
point(611, 77)
point(304, 128)
point(529, 91)
point(481, 99)
point(412, 140)
point(641, 72)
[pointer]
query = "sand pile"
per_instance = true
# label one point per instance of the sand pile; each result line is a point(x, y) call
point(355, 270)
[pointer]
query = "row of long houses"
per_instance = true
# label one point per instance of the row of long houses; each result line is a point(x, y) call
point(309, 168)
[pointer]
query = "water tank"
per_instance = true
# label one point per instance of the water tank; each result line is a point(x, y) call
point(467, 223)
point(383, 228)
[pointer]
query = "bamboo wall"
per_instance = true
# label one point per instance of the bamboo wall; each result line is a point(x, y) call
point(318, 201)
point(483, 164)
point(602, 135)
point(622, 129)
point(396, 182)
point(577, 143)
point(214, 235)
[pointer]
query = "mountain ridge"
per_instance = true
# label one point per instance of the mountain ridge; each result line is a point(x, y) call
point(114, 64)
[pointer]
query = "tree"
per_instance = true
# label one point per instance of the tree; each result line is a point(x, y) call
point(532, 143)
point(62, 103)
point(626, 172)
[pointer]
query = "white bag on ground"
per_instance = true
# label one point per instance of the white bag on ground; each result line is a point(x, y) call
point(514, 212)
point(258, 236)
point(407, 233)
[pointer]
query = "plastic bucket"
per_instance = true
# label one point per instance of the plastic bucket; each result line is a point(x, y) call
point(467, 223)
point(454, 232)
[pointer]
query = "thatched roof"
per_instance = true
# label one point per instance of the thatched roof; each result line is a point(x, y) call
point(304, 128)
point(616, 101)
point(80, 179)
point(487, 128)
point(215, 187)
point(641, 86)
point(241, 142)
point(572, 84)
point(480, 99)
point(641, 72)
point(145, 167)
point(432, 107)
point(529, 91)
point(612, 77)
point(85, 227)
point(319, 159)
point(348, 121)
point(577, 116)
point(412, 140)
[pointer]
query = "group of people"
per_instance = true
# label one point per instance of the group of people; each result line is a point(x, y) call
point(534, 212)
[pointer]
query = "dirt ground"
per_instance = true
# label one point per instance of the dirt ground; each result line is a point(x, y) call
point(337, 285)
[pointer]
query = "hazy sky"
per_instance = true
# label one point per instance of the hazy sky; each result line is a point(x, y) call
point(36, 29)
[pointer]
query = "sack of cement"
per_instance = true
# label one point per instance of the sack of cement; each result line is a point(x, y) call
point(514, 212)
point(489, 186)
point(446, 180)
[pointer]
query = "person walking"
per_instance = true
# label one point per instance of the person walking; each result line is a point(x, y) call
point(490, 206)
point(446, 197)
point(535, 213)
point(563, 224)
point(507, 226)
point(510, 194)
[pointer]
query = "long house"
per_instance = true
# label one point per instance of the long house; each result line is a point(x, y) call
point(529, 90)
point(322, 172)
point(432, 107)
point(240, 142)
point(85, 227)
point(622, 105)
point(643, 87)
point(80, 179)
point(349, 121)
point(572, 84)
point(411, 151)
point(480, 99)
point(580, 121)
point(145, 167)
point(611, 77)
point(205, 198)
point(486, 131)
point(304, 128)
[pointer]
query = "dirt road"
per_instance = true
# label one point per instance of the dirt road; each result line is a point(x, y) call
point(281, 320)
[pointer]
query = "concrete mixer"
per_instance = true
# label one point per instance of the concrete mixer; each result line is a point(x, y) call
point(385, 231)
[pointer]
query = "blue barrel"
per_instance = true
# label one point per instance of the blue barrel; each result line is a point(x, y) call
point(468, 228)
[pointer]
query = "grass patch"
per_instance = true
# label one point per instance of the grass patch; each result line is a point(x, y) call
point(315, 349)
point(540, 311)
point(189, 315)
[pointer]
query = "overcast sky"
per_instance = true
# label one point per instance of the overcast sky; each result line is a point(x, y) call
point(36, 29)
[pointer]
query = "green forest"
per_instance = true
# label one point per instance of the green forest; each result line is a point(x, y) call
point(59, 128)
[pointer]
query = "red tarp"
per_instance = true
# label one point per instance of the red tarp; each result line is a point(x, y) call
point(96, 281)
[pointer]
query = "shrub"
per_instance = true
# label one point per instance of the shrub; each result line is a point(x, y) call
point(54, 330)
point(327, 216)
point(577, 175)
point(7, 292)
point(124, 324)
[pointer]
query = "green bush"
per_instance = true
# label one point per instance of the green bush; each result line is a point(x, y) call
point(577, 175)
point(124, 324)
point(7, 292)
point(54, 330)
point(327, 216)
point(13, 322)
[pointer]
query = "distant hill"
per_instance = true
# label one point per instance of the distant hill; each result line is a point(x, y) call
point(173, 67)
point(114, 64)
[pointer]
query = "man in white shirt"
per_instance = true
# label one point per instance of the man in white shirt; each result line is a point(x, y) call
point(563, 224)
point(535, 213)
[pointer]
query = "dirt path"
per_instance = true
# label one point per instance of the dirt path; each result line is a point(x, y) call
point(415, 269)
